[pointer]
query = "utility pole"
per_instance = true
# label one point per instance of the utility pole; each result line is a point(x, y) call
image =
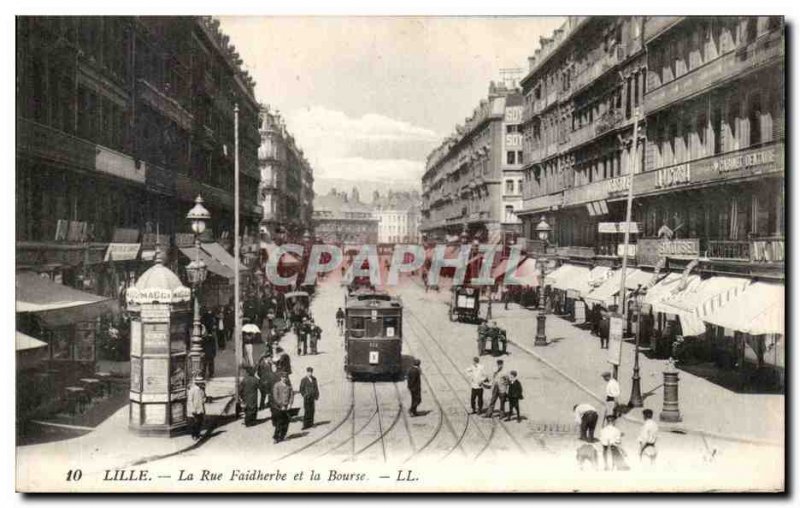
point(237, 327)
point(634, 155)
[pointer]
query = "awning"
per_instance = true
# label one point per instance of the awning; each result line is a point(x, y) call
point(26, 342)
point(701, 299)
point(607, 293)
point(56, 304)
point(664, 288)
point(757, 310)
point(220, 254)
point(213, 265)
point(563, 276)
point(527, 273)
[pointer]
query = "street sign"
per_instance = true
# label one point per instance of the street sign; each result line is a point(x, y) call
point(616, 227)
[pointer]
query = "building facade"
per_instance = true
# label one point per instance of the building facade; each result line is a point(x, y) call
point(708, 158)
point(398, 216)
point(342, 219)
point(466, 179)
point(286, 192)
point(121, 123)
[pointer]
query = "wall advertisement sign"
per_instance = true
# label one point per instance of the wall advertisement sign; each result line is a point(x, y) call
point(615, 339)
point(740, 164)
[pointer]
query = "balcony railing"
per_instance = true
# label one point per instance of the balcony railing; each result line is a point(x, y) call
point(768, 250)
point(765, 50)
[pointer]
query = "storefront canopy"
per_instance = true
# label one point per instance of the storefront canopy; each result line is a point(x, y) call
point(214, 266)
point(702, 299)
point(565, 274)
point(757, 310)
point(220, 254)
point(665, 288)
point(607, 293)
point(527, 273)
point(59, 305)
point(26, 342)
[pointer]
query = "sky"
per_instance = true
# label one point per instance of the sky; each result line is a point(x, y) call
point(367, 98)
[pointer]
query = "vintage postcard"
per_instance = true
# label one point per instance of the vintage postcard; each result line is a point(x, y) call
point(400, 254)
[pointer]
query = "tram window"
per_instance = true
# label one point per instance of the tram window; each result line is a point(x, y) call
point(356, 323)
point(391, 325)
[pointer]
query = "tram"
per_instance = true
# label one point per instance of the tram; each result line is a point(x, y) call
point(373, 333)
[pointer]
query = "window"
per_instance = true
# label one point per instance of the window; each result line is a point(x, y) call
point(716, 129)
point(509, 186)
point(511, 157)
point(754, 118)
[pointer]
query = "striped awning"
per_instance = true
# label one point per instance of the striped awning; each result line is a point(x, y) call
point(607, 293)
point(758, 309)
point(700, 300)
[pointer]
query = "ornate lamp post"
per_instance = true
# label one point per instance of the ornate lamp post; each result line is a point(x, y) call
point(543, 230)
point(196, 272)
point(636, 387)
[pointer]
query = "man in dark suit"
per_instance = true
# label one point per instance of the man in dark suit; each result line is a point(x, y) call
point(414, 386)
point(209, 352)
point(266, 378)
point(309, 390)
point(514, 395)
point(248, 392)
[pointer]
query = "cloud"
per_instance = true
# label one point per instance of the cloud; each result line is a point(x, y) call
point(370, 147)
point(360, 169)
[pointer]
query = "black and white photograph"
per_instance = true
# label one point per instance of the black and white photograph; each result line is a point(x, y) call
point(400, 253)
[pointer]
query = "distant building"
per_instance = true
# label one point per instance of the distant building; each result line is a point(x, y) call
point(339, 218)
point(398, 216)
point(472, 181)
point(286, 191)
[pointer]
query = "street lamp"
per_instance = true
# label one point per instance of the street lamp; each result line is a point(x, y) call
point(636, 387)
point(543, 230)
point(196, 272)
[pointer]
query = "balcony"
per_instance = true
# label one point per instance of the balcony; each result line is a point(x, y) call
point(37, 140)
point(597, 69)
point(766, 50)
point(166, 105)
point(768, 250)
point(656, 25)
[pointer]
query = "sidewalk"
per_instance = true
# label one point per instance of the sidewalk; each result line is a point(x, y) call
point(705, 407)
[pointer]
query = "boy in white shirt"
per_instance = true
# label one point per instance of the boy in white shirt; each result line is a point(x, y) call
point(611, 439)
point(647, 437)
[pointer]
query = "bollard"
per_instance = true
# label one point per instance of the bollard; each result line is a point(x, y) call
point(541, 338)
point(670, 411)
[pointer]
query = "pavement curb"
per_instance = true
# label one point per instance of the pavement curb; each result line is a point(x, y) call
point(670, 427)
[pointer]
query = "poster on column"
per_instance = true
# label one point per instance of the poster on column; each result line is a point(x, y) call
point(614, 339)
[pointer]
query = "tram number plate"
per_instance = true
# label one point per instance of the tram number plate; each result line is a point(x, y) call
point(373, 357)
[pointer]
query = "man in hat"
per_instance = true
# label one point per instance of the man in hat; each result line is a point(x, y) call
point(302, 336)
point(314, 335)
point(265, 371)
point(514, 395)
point(248, 392)
point(209, 352)
point(309, 390)
point(282, 397)
point(500, 383)
point(340, 320)
point(196, 406)
point(612, 395)
point(282, 361)
point(414, 384)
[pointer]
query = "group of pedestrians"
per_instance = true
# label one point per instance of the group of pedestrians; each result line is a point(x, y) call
point(503, 388)
point(610, 437)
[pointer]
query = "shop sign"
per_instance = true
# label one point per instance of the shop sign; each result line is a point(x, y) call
point(617, 227)
point(514, 140)
point(158, 313)
point(116, 164)
point(619, 184)
point(736, 162)
point(673, 176)
point(631, 250)
point(122, 251)
point(513, 114)
point(651, 250)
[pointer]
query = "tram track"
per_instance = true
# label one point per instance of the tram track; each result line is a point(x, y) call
point(447, 356)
